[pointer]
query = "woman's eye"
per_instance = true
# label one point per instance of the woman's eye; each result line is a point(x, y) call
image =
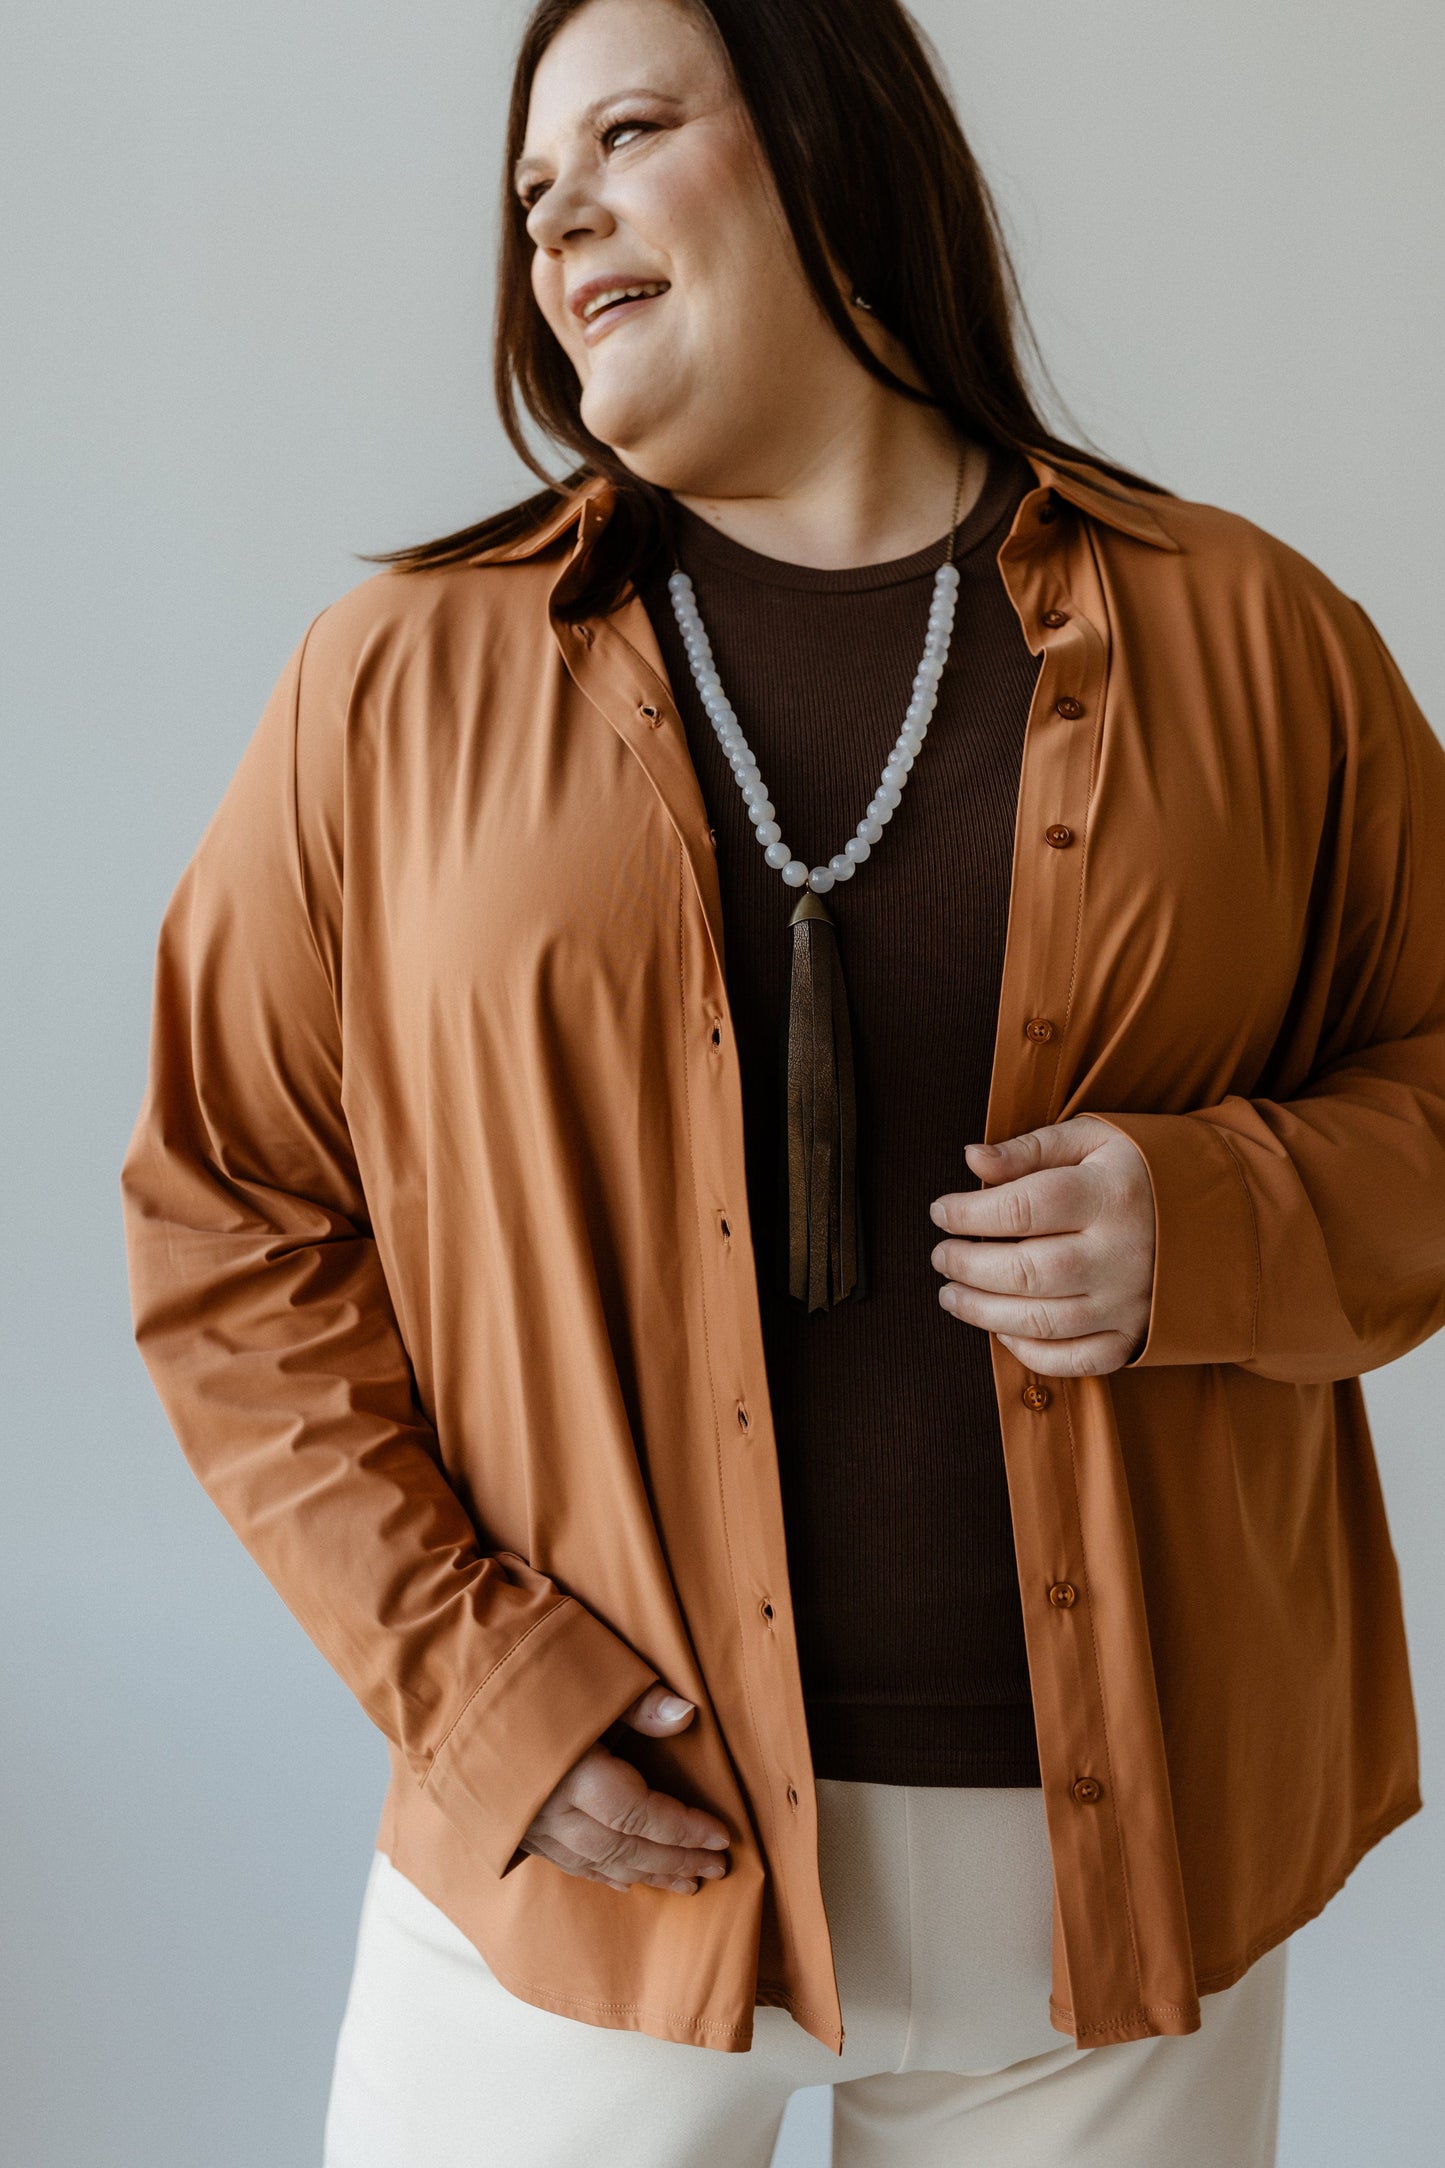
point(620, 127)
point(530, 195)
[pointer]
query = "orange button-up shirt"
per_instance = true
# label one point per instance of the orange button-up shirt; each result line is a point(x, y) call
point(440, 1258)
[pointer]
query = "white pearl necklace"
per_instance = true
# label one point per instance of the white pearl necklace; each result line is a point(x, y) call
point(906, 747)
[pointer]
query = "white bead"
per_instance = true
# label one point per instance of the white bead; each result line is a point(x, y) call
point(739, 753)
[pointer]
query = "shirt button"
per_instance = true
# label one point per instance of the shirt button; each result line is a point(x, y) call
point(726, 1229)
point(1056, 617)
point(1038, 1027)
point(1049, 509)
point(1060, 836)
point(1069, 706)
point(743, 1417)
point(792, 1795)
point(717, 1031)
point(1036, 1397)
point(649, 713)
point(1062, 1595)
point(1087, 1790)
point(767, 1611)
point(584, 634)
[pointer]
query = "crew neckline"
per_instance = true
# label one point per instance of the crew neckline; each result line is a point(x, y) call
point(701, 543)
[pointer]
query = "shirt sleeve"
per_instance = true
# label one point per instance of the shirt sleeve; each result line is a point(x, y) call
point(262, 1313)
point(1303, 1238)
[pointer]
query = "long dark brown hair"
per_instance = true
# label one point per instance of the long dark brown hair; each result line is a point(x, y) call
point(870, 164)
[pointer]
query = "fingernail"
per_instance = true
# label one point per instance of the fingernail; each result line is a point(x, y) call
point(672, 1706)
point(991, 1149)
point(715, 1844)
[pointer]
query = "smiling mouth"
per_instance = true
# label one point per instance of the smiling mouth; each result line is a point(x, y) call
point(612, 311)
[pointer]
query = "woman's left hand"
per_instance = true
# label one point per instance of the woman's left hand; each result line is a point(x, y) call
point(1057, 1257)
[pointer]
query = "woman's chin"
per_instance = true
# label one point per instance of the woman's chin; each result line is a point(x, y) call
point(642, 422)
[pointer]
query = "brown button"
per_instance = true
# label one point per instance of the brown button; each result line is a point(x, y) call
point(1038, 1027)
point(1062, 1595)
point(1087, 1790)
point(792, 1795)
point(1036, 1397)
point(716, 1032)
point(584, 634)
point(726, 1230)
point(767, 1611)
point(1056, 617)
point(1069, 706)
point(1049, 509)
point(646, 709)
point(743, 1417)
point(1060, 836)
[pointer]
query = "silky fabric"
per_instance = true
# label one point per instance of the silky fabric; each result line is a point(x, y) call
point(939, 1901)
point(437, 1227)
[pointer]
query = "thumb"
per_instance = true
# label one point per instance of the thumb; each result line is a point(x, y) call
point(1056, 1144)
point(659, 1712)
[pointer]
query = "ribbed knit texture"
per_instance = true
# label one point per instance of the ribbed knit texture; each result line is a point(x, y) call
point(900, 1544)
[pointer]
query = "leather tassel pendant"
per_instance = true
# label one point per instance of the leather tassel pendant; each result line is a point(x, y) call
point(825, 1263)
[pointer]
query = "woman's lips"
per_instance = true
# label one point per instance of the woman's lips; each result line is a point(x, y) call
point(606, 318)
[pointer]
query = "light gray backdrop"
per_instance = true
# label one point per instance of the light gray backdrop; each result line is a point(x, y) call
point(248, 255)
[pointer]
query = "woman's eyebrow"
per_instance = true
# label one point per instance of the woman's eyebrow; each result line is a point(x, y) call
point(526, 165)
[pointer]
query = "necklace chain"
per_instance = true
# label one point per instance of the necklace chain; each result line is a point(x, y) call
point(906, 747)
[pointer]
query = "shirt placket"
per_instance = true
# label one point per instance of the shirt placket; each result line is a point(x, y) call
point(774, 1758)
point(1110, 1827)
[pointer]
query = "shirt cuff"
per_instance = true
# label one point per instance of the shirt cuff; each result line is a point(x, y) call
point(1205, 1297)
point(550, 1698)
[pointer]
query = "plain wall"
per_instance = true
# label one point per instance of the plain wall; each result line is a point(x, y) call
point(247, 256)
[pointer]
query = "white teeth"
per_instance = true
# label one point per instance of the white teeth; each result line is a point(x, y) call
point(619, 293)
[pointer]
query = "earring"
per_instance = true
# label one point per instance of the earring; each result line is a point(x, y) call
point(860, 303)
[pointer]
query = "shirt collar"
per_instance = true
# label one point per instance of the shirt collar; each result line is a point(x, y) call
point(1100, 496)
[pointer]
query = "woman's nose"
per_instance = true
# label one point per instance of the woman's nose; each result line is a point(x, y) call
point(564, 212)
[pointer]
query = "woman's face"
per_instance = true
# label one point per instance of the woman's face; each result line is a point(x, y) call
point(640, 167)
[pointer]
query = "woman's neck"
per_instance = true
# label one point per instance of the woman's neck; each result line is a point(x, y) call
point(862, 487)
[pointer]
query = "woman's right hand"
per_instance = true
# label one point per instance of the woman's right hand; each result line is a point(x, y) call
point(602, 1822)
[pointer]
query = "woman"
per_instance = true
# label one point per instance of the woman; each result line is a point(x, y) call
point(813, 1568)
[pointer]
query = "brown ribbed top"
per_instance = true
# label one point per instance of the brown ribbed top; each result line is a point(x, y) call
point(900, 1544)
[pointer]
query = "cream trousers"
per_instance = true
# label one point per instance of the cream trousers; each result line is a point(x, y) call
point(939, 1900)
